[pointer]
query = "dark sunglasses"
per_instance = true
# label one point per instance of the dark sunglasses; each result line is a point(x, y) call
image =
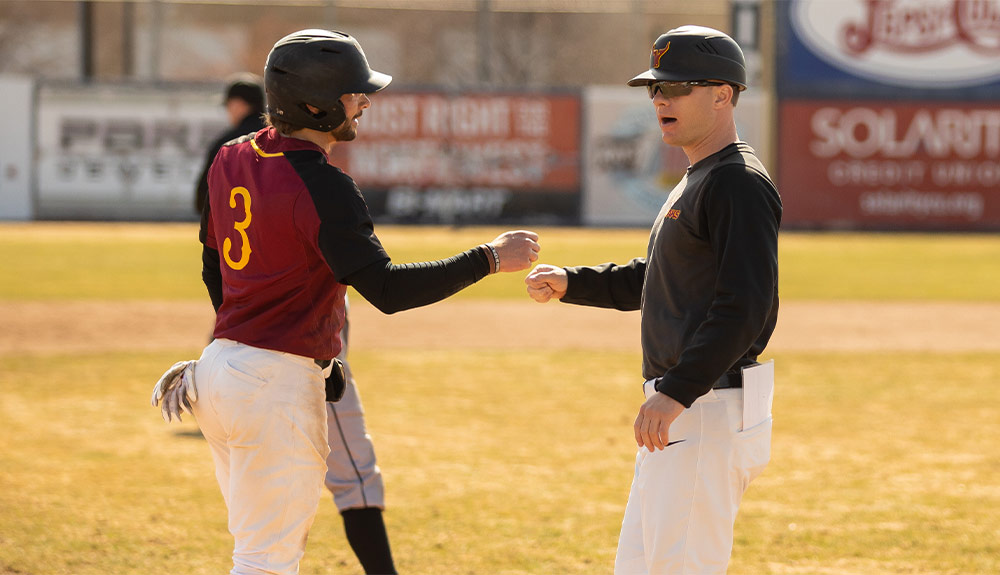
point(676, 89)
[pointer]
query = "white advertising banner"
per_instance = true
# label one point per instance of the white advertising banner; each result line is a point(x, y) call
point(628, 170)
point(123, 152)
point(17, 99)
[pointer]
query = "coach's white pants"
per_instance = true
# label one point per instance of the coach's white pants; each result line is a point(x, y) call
point(684, 499)
point(264, 415)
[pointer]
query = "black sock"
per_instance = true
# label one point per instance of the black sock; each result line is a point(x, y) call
point(366, 533)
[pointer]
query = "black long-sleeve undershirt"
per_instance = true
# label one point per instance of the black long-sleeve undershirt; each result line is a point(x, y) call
point(391, 288)
point(211, 274)
point(387, 286)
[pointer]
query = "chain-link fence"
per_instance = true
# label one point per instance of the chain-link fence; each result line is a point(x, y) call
point(449, 43)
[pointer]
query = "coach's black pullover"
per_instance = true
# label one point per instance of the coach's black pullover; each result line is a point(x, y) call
point(708, 288)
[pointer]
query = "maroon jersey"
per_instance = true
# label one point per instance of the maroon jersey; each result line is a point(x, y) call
point(288, 228)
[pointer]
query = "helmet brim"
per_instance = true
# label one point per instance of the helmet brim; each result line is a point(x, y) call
point(376, 81)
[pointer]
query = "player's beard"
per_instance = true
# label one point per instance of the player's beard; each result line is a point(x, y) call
point(346, 131)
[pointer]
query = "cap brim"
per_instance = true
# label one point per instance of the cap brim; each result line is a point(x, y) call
point(642, 79)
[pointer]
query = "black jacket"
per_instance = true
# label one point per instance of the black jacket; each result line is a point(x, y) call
point(708, 287)
point(247, 125)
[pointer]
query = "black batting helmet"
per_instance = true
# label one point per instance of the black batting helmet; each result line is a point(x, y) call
point(693, 53)
point(317, 67)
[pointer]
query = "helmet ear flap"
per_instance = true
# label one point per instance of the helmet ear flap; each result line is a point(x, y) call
point(326, 120)
point(337, 115)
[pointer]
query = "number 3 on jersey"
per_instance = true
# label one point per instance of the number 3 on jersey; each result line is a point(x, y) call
point(240, 228)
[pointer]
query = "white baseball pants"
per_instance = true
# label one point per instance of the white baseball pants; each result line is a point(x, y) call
point(684, 499)
point(263, 413)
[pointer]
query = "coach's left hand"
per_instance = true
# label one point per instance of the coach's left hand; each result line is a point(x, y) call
point(652, 425)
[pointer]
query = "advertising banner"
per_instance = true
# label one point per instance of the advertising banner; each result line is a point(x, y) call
point(17, 98)
point(629, 171)
point(123, 152)
point(933, 49)
point(882, 164)
point(890, 113)
point(468, 158)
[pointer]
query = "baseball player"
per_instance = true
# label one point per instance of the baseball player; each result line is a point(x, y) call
point(708, 292)
point(284, 234)
point(352, 473)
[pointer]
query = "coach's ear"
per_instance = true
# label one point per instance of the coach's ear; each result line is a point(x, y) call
point(723, 95)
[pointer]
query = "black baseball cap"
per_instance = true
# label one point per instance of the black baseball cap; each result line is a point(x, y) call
point(247, 87)
point(692, 53)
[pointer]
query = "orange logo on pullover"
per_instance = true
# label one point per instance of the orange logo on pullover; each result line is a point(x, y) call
point(673, 214)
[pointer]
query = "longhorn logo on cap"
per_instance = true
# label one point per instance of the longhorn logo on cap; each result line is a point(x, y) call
point(658, 53)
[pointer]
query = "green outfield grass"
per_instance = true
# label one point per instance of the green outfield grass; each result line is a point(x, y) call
point(150, 261)
point(883, 463)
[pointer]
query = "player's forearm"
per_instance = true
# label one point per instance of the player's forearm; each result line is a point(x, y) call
point(392, 288)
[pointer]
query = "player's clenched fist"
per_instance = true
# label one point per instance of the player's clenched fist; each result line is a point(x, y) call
point(517, 249)
point(546, 282)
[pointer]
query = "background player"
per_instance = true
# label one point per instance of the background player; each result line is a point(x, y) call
point(353, 475)
point(244, 102)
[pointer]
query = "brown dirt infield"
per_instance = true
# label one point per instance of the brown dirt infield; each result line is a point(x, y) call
point(87, 327)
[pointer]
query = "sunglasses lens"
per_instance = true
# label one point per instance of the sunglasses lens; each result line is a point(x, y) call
point(669, 89)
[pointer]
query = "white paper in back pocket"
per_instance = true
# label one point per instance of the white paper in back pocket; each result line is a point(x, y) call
point(758, 393)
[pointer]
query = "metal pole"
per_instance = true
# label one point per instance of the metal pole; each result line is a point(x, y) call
point(745, 24)
point(640, 42)
point(128, 39)
point(86, 15)
point(330, 14)
point(155, 39)
point(485, 41)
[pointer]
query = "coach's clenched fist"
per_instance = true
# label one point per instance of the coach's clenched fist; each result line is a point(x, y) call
point(546, 282)
point(516, 250)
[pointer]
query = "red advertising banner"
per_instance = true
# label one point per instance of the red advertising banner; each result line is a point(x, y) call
point(436, 156)
point(896, 165)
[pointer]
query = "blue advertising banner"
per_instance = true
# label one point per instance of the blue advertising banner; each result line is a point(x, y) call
point(889, 49)
point(889, 114)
